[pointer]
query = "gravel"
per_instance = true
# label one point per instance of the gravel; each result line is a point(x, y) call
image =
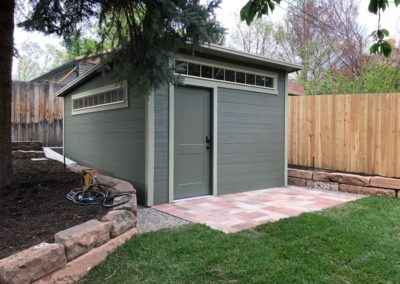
point(150, 220)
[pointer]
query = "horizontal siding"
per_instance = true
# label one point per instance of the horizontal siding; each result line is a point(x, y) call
point(250, 140)
point(161, 163)
point(112, 141)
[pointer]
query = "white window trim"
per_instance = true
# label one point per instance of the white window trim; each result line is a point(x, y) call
point(108, 106)
point(232, 67)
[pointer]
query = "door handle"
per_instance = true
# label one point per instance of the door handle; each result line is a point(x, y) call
point(208, 142)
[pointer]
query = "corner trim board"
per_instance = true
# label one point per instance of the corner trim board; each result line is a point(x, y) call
point(215, 142)
point(149, 162)
point(171, 141)
point(286, 113)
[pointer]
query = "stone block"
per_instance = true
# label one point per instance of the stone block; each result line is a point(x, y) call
point(342, 178)
point(322, 176)
point(80, 239)
point(31, 264)
point(385, 182)
point(323, 185)
point(366, 190)
point(297, 173)
point(131, 205)
point(296, 181)
point(79, 267)
point(121, 220)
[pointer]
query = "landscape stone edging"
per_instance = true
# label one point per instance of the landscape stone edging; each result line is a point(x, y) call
point(75, 253)
point(345, 182)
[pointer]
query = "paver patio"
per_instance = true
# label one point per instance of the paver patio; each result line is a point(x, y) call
point(235, 212)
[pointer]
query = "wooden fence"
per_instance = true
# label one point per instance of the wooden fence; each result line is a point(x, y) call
point(352, 133)
point(36, 113)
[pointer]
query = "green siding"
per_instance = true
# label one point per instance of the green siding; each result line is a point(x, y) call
point(161, 148)
point(250, 140)
point(112, 141)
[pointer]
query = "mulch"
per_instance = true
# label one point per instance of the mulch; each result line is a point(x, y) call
point(34, 207)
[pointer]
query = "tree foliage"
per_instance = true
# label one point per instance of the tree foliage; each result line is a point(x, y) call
point(142, 34)
point(257, 8)
point(33, 60)
point(320, 34)
point(375, 77)
point(257, 38)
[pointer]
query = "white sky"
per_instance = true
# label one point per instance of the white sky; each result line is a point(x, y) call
point(229, 8)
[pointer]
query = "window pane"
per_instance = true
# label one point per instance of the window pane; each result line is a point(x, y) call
point(107, 98)
point(206, 71)
point(100, 99)
point(250, 79)
point(95, 100)
point(80, 103)
point(121, 94)
point(75, 104)
point(194, 69)
point(260, 81)
point(90, 101)
point(115, 95)
point(219, 74)
point(181, 67)
point(229, 75)
point(240, 77)
point(269, 82)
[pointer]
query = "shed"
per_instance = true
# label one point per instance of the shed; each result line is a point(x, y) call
point(222, 129)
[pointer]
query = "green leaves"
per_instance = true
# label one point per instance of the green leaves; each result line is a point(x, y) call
point(376, 5)
point(257, 8)
point(381, 47)
point(139, 37)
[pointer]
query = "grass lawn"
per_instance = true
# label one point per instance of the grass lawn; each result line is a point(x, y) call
point(356, 243)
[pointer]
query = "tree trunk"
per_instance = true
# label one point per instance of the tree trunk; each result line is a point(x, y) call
point(6, 56)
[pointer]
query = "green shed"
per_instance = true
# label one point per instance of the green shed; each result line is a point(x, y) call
point(222, 129)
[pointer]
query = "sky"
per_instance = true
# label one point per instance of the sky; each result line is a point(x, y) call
point(229, 10)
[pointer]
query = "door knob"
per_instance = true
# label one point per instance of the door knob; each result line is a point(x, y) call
point(208, 142)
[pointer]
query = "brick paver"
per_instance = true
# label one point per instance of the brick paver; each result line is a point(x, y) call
point(235, 212)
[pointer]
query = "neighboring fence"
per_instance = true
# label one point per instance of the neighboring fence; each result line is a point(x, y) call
point(352, 133)
point(36, 113)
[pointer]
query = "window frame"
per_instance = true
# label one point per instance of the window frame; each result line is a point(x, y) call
point(104, 106)
point(221, 65)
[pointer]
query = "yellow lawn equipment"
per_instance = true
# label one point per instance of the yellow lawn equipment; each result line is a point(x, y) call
point(93, 193)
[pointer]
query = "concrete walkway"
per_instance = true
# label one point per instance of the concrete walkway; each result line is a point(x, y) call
point(235, 212)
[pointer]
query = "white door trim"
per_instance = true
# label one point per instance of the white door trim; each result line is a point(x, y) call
point(171, 139)
point(149, 146)
point(171, 154)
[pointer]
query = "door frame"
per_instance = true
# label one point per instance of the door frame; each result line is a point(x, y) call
point(191, 82)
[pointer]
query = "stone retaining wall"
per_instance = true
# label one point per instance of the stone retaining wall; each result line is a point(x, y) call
point(76, 250)
point(337, 181)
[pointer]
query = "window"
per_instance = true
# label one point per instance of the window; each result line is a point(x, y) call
point(229, 75)
point(224, 74)
point(250, 79)
point(104, 98)
point(219, 74)
point(181, 67)
point(194, 69)
point(241, 77)
point(206, 71)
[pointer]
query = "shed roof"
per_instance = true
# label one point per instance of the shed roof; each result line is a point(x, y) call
point(211, 49)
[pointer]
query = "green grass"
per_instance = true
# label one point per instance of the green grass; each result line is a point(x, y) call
point(356, 243)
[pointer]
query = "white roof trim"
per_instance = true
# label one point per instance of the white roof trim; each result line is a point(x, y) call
point(216, 47)
point(290, 67)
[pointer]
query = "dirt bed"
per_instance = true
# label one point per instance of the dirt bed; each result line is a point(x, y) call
point(34, 208)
